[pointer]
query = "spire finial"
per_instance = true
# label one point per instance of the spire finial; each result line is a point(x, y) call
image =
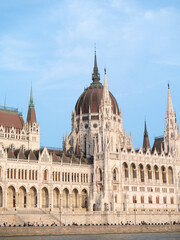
point(95, 75)
point(105, 70)
point(31, 102)
point(168, 86)
point(5, 103)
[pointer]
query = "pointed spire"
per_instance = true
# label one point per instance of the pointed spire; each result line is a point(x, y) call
point(95, 75)
point(145, 130)
point(31, 103)
point(5, 103)
point(146, 144)
point(31, 117)
point(169, 101)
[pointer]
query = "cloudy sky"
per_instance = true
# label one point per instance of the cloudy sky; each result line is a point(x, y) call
point(50, 44)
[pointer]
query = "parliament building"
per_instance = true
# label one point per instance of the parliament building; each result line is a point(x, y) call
point(98, 177)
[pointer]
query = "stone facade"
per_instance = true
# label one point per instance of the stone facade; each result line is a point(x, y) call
point(98, 175)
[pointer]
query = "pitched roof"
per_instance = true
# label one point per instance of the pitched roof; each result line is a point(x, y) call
point(158, 142)
point(10, 119)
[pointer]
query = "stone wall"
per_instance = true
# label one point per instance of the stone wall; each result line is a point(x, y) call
point(29, 231)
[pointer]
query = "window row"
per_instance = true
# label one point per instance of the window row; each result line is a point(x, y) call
point(145, 173)
point(150, 200)
point(22, 174)
point(68, 177)
point(148, 189)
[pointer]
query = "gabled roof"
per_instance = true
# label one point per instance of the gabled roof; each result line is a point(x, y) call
point(11, 118)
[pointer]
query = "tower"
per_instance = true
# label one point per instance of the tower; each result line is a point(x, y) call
point(32, 127)
point(171, 133)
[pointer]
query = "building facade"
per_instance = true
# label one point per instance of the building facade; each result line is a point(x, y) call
point(98, 176)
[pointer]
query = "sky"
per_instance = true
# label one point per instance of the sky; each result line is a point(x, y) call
point(49, 44)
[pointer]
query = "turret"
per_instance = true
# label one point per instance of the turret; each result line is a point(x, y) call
point(32, 126)
point(171, 133)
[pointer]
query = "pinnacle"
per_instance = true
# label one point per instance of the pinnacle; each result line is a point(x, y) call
point(31, 102)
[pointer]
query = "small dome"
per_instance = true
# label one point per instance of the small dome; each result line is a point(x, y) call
point(92, 97)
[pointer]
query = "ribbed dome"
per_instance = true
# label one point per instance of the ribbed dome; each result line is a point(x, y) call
point(92, 97)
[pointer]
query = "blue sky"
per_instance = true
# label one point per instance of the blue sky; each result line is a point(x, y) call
point(50, 43)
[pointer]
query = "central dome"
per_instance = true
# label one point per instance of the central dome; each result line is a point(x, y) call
point(92, 96)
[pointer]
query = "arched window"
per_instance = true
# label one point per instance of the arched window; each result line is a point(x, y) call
point(134, 199)
point(170, 175)
point(99, 172)
point(150, 199)
point(163, 170)
point(115, 174)
point(133, 170)
point(46, 175)
point(149, 172)
point(156, 171)
point(157, 200)
point(126, 171)
point(84, 199)
point(141, 169)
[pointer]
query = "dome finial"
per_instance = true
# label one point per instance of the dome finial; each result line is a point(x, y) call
point(95, 75)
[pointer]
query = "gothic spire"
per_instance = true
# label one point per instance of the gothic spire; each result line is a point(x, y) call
point(31, 103)
point(95, 74)
point(145, 130)
point(146, 144)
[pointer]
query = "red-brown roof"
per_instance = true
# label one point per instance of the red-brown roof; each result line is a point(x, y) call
point(92, 97)
point(11, 119)
point(31, 117)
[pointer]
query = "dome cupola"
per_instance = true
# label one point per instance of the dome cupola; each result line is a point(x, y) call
point(92, 96)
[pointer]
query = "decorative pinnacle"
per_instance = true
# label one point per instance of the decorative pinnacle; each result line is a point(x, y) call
point(168, 86)
point(105, 71)
point(31, 103)
point(95, 75)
